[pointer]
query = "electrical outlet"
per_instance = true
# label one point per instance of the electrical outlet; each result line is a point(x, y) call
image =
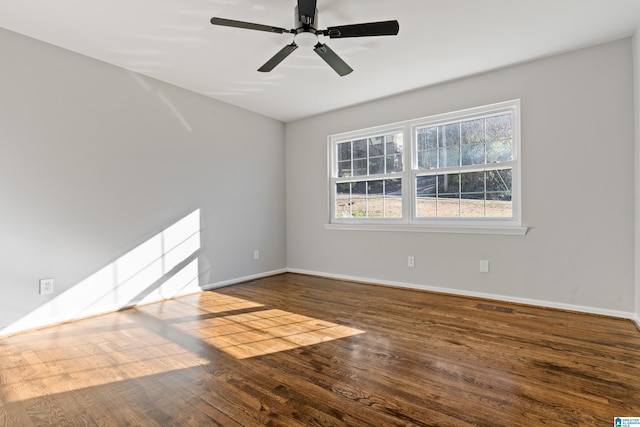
point(46, 286)
point(256, 254)
point(484, 266)
point(410, 261)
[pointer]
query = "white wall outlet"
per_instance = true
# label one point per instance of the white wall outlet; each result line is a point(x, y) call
point(484, 266)
point(410, 261)
point(46, 286)
point(256, 254)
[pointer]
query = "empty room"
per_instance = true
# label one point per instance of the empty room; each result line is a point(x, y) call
point(300, 212)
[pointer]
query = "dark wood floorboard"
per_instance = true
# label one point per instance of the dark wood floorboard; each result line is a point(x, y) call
point(295, 350)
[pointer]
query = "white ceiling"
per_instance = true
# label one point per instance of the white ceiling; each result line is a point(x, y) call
point(439, 40)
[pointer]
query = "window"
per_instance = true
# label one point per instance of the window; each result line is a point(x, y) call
point(453, 170)
point(369, 176)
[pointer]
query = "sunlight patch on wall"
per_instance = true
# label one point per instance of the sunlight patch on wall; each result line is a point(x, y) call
point(162, 267)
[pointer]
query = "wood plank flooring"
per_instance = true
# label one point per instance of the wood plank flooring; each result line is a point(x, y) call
point(294, 350)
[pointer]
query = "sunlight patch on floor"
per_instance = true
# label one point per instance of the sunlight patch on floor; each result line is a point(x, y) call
point(53, 366)
point(271, 331)
point(150, 340)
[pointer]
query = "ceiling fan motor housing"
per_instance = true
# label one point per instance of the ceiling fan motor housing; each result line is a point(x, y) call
point(305, 21)
point(306, 32)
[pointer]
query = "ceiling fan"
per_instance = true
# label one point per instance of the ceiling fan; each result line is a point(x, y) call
point(306, 34)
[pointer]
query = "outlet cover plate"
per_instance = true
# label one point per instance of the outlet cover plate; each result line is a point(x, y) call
point(484, 266)
point(46, 286)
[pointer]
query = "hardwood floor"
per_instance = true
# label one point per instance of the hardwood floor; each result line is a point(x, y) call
point(293, 350)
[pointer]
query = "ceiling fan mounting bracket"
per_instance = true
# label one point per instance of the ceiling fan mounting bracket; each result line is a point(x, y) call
point(304, 22)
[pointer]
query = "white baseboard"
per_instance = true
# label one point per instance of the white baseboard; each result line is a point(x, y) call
point(459, 292)
point(636, 319)
point(242, 279)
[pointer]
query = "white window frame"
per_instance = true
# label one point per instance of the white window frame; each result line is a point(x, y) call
point(334, 179)
point(409, 221)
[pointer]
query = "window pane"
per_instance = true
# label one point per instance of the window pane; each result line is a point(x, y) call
point(449, 145)
point(499, 127)
point(394, 163)
point(426, 207)
point(371, 156)
point(472, 205)
point(359, 199)
point(344, 151)
point(359, 188)
point(343, 200)
point(344, 168)
point(369, 199)
point(427, 138)
point(449, 184)
point(450, 134)
point(376, 165)
point(472, 182)
point(473, 154)
point(393, 198)
point(427, 159)
point(472, 131)
point(343, 188)
point(376, 146)
point(393, 187)
point(375, 205)
point(427, 145)
point(499, 151)
point(360, 149)
point(393, 146)
point(499, 205)
point(499, 180)
point(360, 167)
point(449, 195)
point(426, 186)
point(426, 196)
point(499, 139)
point(375, 188)
point(448, 205)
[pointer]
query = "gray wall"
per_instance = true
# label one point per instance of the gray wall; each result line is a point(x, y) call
point(577, 186)
point(98, 165)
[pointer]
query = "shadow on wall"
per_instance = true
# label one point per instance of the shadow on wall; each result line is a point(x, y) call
point(163, 267)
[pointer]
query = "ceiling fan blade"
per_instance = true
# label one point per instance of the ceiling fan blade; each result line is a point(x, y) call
point(278, 58)
point(383, 28)
point(307, 11)
point(332, 58)
point(248, 25)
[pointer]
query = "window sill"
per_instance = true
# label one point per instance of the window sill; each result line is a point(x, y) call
point(454, 229)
